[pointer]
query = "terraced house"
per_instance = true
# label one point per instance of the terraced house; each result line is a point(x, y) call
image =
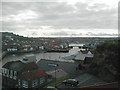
point(17, 74)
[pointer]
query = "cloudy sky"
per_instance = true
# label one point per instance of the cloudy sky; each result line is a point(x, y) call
point(61, 18)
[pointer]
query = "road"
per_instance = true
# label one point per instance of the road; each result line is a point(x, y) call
point(84, 80)
point(68, 67)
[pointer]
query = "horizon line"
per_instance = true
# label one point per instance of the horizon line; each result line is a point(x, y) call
point(61, 36)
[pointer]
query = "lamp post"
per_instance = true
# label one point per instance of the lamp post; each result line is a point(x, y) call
point(54, 65)
point(55, 76)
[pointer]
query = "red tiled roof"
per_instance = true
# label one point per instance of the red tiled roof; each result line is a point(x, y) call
point(93, 51)
point(31, 75)
point(84, 51)
point(30, 66)
point(85, 65)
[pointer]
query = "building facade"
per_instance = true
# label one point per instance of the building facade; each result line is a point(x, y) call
point(17, 74)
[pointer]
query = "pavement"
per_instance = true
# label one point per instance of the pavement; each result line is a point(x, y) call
point(59, 73)
point(68, 67)
point(84, 80)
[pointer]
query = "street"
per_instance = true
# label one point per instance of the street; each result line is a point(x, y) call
point(68, 67)
point(84, 80)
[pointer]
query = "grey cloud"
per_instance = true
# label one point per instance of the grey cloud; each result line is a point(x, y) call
point(61, 16)
point(98, 6)
point(103, 34)
point(34, 34)
point(61, 33)
point(81, 34)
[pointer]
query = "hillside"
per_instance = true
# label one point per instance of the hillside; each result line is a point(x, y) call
point(105, 63)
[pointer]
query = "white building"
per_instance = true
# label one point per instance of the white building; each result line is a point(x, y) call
point(79, 56)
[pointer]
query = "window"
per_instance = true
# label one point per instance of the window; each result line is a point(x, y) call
point(42, 80)
point(25, 84)
point(18, 82)
point(3, 71)
point(34, 83)
point(49, 79)
point(15, 74)
point(11, 73)
point(7, 72)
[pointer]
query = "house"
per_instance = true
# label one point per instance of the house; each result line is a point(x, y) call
point(83, 66)
point(17, 74)
point(41, 47)
point(10, 48)
point(32, 79)
point(88, 60)
point(82, 57)
point(10, 72)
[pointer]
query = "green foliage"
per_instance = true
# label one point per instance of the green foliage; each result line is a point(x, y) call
point(105, 63)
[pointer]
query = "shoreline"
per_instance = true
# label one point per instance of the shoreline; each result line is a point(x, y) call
point(19, 52)
point(4, 54)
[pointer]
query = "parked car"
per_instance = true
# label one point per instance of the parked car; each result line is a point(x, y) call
point(51, 88)
point(72, 82)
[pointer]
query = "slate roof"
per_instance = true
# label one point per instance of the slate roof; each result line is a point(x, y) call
point(14, 65)
point(20, 66)
point(69, 57)
point(81, 55)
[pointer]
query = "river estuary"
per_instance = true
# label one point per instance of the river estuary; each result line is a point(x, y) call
point(51, 56)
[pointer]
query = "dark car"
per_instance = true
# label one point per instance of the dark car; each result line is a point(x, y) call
point(72, 82)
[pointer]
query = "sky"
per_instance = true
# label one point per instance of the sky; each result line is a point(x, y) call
point(60, 18)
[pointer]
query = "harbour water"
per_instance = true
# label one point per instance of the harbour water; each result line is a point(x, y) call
point(50, 56)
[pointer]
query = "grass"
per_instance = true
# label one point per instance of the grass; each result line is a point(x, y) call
point(60, 80)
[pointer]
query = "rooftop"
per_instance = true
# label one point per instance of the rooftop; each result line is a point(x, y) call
point(31, 75)
point(30, 66)
point(14, 65)
point(81, 55)
point(18, 66)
